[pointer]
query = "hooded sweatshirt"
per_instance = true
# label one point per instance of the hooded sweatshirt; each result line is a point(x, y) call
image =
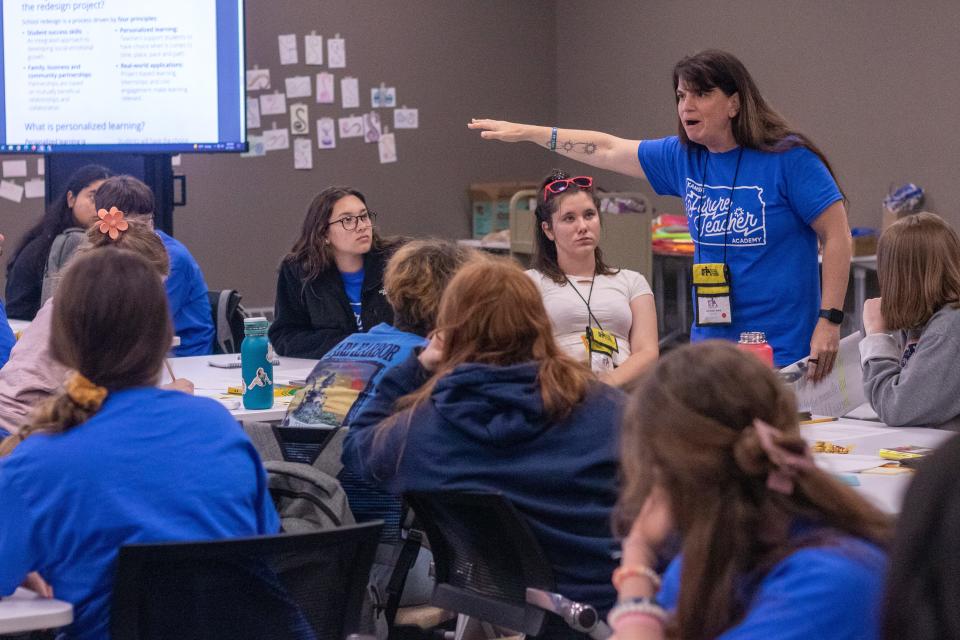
point(484, 429)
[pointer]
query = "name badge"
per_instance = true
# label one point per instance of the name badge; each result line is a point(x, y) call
point(600, 346)
point(711, 286)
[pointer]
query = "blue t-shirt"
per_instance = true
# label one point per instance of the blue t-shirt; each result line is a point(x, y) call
point(152, 465)
point(816, 592)
point(189, 303)
point(6, 336)
point(353, 284)
point(770, 247)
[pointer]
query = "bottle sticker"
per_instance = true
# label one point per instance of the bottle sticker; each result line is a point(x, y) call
point(260, 380)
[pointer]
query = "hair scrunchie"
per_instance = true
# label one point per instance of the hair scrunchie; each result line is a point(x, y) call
point(84, 393)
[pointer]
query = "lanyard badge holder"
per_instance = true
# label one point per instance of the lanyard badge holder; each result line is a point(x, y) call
point(711, 286)
point(600, 344)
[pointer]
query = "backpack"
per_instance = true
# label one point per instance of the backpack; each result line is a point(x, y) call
point(306, 498)
point(228, 315)
point(62, 249)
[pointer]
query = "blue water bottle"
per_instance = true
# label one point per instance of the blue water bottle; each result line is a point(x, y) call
point(256, 366)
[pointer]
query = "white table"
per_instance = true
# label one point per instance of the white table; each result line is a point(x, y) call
point(26, 611)
point(18, 325)
point(867, 438)
point(212, 382)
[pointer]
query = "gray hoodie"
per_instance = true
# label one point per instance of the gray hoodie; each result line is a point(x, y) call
point(913, 380)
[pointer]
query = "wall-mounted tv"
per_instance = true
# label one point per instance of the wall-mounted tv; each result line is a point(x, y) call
point(131, 76)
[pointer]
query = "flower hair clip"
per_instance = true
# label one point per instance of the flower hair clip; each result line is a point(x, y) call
point(112, 222)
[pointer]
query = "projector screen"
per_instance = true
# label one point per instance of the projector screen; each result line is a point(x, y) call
point(133, 76)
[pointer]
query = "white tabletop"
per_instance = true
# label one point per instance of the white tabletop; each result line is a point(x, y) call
point(867, 438)
point(26, 611)
point(212, 382)
point(18, 325)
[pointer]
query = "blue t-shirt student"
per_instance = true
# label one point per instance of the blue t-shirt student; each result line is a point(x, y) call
point(353, 285)
point(6, 336)
point(151, 465)
point(189, 303)
point(759, 226)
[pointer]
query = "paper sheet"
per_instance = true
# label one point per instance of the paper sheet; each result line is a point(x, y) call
point(351, 127)
point(273, 104)
point(325, 92)
point(253, 113)
point(299, 119)
point(313, 49)
point(371, 127)
point(11, 191)
point(840, 432)
point(258, 79)
point(288, 48)
point(406, 119)
point(276, 139)
point(14, 168)
point(33, 188)
point(841, 391)
point(298, 87)
point(302, 154)
point(375, 102)
point(388, 97)
point(387, 145)
point(326, 134)
point(350, 93)
point(336, 53)
point(256, 148)
point(176, 160)
point(41, 166)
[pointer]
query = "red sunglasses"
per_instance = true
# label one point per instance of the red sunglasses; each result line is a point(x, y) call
point(561, 185)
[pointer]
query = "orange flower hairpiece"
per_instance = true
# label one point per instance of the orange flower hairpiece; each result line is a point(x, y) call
point(112, 222)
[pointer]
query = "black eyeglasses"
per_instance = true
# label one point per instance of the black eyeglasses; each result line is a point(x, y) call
point(350, 223)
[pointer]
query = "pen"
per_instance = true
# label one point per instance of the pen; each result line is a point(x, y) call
point(169, 370)
point(817, 420)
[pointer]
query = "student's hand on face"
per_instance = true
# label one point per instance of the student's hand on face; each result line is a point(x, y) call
point(498, 130)
point(432, 354)
point(180, 384)
point(649, 530)
point(872, 318)
point(35, 582)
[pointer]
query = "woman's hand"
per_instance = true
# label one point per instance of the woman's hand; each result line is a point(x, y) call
point(502, 130)
point(432, 354)
point(872, 318)
point(649, 530)
point(824, 345)
point(180, 384)
point(35, 582)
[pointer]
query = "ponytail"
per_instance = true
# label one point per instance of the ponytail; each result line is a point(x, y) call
point(79, 400)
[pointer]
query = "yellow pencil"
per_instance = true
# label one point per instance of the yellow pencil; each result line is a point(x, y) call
point(817, 420)
point(169, 370)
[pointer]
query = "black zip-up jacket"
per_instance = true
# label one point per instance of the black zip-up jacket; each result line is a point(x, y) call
point(311, 318)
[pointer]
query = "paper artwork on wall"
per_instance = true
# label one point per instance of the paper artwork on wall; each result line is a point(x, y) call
point(255, 147)
point(388, 97)
point(14, 168)
point(253, 113)
point(302, 153)
point(273, 104)
point(388, 148)
point(298, 87)
point(313, 49)
point(299, 119)
point(336, 52)
point(325, 92)
point(406, 118)
point(11, 191)
point(371, 127)
point(350, 93)
point(258, 79)
point(276, 139)
point(351, 127)
point(326, 134)
point(34, 188)
point(288, 48)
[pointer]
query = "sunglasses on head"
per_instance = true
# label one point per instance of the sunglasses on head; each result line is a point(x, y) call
point(561, 185)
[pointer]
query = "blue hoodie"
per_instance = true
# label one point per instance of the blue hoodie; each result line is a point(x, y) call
point(484, 429)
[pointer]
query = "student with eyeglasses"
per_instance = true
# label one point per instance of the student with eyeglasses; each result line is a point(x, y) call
point(758, 195)
point(331, 283)
point(601, 316)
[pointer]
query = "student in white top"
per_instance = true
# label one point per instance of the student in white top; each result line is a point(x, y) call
point(601, 316)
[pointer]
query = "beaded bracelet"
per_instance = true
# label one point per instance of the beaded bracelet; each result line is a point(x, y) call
point(632, 571)
point(553, 139)
point(645, 606)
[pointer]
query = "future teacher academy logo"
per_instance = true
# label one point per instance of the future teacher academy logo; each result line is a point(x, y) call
point(708, 207)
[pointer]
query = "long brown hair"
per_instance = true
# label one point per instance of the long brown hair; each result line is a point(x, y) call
point(110, 324)
point(310, 251)
point(544, 249)
point(757, 125)
point(918, 267)
point(492, 313)
point(690, 430)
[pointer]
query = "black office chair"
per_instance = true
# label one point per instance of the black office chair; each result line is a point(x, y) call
point(490, 567)
point(291, 587)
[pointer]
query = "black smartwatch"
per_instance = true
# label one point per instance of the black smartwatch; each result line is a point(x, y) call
point(834, 316)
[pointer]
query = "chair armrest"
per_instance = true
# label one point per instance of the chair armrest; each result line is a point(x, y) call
point(579, 616)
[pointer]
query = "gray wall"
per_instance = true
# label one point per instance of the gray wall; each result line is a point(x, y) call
point(874, 83)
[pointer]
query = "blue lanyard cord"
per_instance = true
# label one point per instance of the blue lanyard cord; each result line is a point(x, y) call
point(726, 228)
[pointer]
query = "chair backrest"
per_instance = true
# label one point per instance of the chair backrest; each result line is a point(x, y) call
point(228, 315)
point(62, 249)
point(306, 498)
point(300, 586)
point(486, 557)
